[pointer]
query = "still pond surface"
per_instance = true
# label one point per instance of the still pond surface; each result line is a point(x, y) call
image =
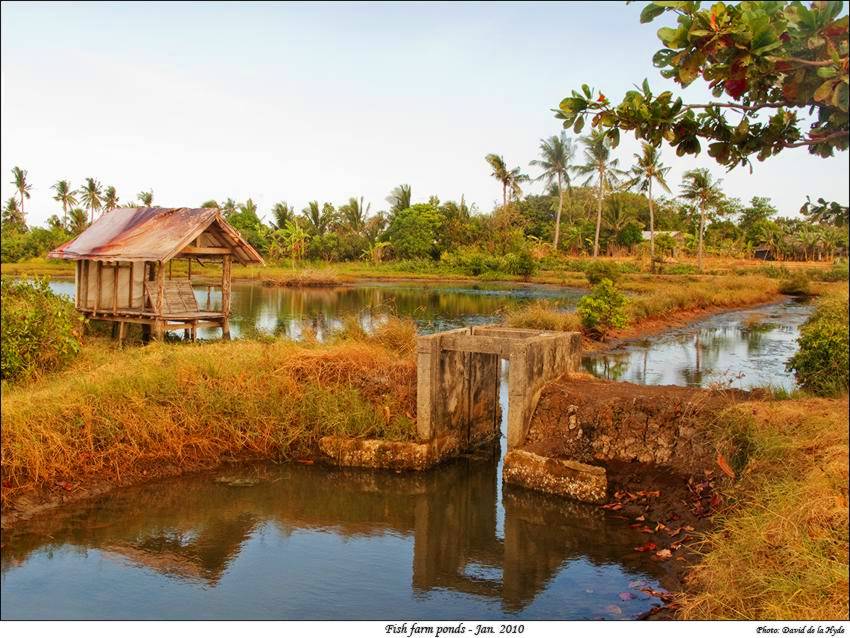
point(308, 542)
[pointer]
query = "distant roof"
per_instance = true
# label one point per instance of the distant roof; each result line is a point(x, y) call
point(151, 234)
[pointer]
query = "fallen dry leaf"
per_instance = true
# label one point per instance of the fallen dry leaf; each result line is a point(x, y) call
point(663, 554)
point(646, 547)
point(724, 466)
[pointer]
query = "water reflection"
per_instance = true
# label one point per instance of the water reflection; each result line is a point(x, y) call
point(312, 542)
point(286, 311)
point(742, 349)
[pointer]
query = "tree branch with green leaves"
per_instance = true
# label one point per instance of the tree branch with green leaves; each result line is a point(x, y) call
point(784, 65)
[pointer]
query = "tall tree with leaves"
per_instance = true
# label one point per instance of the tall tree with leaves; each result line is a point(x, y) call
point(146, 197)
point(77, 221)
point(700, 188)
point(13, 216)
point(110, 199)
point(23, 187)
point(91, 195)
point(354, 215)
point(778, 62)
point(66, 196)
point(400, 198)
point(282, 212)
point(556, 154)
point(648, 169)
point(602, 169)
point(510, 179)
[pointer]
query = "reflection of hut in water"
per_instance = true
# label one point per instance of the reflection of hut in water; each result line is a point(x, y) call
point(124, 267)
point(202, 555)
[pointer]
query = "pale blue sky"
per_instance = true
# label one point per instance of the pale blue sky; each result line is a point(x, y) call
point(301, 102)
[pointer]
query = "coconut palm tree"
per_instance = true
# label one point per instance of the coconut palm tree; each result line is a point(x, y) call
point(699, 187)
point(400, 198)
point(77, 221)
point(648, 169)
point(318, 218)
point(354, 214)
point(110, 199)
point(282, 212)
point(556, 158)
point(510, 179)
point(90, 195)
point(65, 196)
point(599, 166)
point(21, 185)
point(146, 197)
point(617, 217)
point(13, 216)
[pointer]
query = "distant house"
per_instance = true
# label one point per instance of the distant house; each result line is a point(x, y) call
point(763, 252)
point(123, 267)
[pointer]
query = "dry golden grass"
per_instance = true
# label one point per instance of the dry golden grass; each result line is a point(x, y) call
point(116, 414)
point(543, 315)
point(781, 551)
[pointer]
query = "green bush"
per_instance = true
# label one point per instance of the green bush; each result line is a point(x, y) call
point(604, 308)
point(39, 331)
point(596, 271)
point(820, 364)
point(797, 285)
point(520, 263)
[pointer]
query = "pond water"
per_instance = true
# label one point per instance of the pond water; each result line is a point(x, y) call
point(286, 311)
point(742, 349)
point(309, 542)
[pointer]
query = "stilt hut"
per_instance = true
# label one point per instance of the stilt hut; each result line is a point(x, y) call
point(124, 267)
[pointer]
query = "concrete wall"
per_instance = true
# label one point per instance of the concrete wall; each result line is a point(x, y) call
point(458, 379)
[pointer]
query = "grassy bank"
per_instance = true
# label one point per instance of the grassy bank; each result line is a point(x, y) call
point(781, 550)
point(115, 415)
point(561, 270)
point(657, 302)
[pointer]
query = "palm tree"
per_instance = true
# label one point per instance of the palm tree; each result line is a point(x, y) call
point(700, 188)
point(13, 216)
point(354, 214)
point(21, 185)
point(77, 221)
point(400, 198)
point(317, 218)
point(557, 154)
point(509, 179)
point(146, 197)
point(90, 195)
point(617, 217)
point(282, 213)
point(599, 166)
point(648, 169)
point(110, 199)
point(66, 196)
point(228, 207)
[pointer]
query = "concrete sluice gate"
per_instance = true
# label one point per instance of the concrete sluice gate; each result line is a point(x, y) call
point(458, 409)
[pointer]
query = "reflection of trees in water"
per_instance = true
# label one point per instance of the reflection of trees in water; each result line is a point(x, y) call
point(613, 366)
point(193, 528)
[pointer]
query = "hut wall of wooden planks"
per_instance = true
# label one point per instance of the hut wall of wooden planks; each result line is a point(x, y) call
point(124, 268)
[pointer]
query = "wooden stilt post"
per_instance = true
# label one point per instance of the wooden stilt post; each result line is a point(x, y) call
point(99, 283)
point(158, 326)
point(225, 296)
point(122, 332)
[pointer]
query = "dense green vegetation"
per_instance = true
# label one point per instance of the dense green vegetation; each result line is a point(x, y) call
point(821, 363)
point(39, 331)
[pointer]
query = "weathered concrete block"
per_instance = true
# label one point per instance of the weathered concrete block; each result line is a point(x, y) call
point(391, 455)
point(587, 483)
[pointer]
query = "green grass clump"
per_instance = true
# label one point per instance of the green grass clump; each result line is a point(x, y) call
point(821, 363)
point(543, 315)
point(796, 285)
point(39, 331)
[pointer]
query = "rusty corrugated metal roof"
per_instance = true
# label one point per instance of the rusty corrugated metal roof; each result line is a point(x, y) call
point(151, 234)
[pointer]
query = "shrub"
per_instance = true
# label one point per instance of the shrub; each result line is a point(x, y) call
point(520, 263)
point(598, 270)
point(542, 315)
point(39, 331)
point(797, 284)
point(604, 308)
point(820, 364)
